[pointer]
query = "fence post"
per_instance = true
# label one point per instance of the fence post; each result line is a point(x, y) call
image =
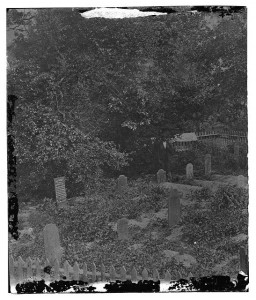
point(134, 274)
point(76, 271)
point(244, 266)
point(123, 273)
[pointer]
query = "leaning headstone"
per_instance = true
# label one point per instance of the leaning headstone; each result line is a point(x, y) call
point(174, 208)
point(52, 246)
point(122, 229)
point(122, 183)
point(236, 152)
point(241, 181)
point(60, 190)
point(189, 171)
point(208, 164)
point(161, 176)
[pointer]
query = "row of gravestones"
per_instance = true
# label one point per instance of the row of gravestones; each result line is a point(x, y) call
point(122, 185)
point(161, 174)
point(54, 250)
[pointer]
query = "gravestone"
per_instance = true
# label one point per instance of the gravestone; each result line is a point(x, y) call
point(236, 152)
point(241, 182)
point(60, 190)
point(174, 212)
point(122, 229)
point(161, 176)
point(52, 246)
point(189, 171)
point(122, 183)
point(208, 164)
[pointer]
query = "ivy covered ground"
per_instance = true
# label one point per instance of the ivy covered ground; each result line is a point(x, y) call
point(205, 242)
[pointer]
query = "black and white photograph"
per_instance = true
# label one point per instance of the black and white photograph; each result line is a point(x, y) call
point(127, 148)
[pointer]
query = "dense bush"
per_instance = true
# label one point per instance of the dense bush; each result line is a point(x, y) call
point(223, 216)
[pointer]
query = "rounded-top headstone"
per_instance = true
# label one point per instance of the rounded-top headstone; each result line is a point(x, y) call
point(122, 183)
point(161, 176)
point(189, 171)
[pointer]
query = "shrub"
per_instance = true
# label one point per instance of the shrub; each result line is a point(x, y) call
point(221, 217)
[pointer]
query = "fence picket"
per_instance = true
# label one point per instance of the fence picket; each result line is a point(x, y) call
point(94, 275)
point(180, 275)
point(190, 275)
point(76, 271)
point(66, 270)
point(85, 275)
point(145, 274)
point(56, 268)
point(38, 269)
point(156, 276)
point(134, 274)
point(11, 267)
point(123, 273)
point(21, 264)
point(244, 260)
point(29, 269)
point(167, 276)
point(102, 272)
point(112, 273)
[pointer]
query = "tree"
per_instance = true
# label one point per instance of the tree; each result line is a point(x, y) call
point(130, 81)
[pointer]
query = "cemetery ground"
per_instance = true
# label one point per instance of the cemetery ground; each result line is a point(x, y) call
point(206, 240)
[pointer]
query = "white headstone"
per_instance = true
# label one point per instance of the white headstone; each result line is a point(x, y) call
point(189, 171)
point(161, 176)
point(122, 183)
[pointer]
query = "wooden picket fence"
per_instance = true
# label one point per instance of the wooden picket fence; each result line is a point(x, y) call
point(21, 271)
point(220, 138)
point(29, 270)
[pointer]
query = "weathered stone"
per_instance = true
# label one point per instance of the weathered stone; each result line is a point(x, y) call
point(241, 182)
point(52, 246)
point(174, 208)
point(189, 171)
point(208, 164)
point(161, 176)
point(122, 229)
point(122, 183)
point(60, 190)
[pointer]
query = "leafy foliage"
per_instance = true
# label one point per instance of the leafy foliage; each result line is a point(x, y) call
point(222, 217)
point(132, 79)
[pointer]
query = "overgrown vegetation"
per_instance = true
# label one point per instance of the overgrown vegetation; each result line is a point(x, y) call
point(209, 223)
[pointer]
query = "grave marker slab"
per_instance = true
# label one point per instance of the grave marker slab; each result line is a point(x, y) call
point(208, 164)
point(122, 183)
point(52, 245)
point(174, 212)
point(161, 176)
point(189, 171)
point(60, 190)
point(122, 229)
